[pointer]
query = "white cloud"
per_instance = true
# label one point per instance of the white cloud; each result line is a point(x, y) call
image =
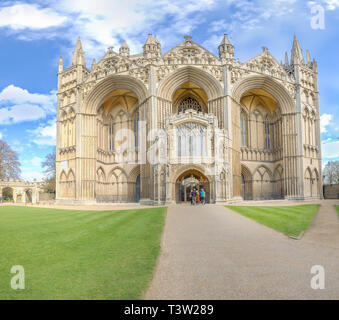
point(330, 150)
point(107, 23)
point(325, 120)
point(22, 16)
point(36, 161)
point(18, 105)
point(17, 95)
point(29, 175)
point(332, 4)
point(20, 113)
point(0, 135)
point(45, 134)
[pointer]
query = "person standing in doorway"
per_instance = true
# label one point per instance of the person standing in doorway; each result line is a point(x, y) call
point(194, 196)
point(202, 196)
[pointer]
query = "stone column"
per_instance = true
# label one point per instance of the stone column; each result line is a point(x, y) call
point(151, 116)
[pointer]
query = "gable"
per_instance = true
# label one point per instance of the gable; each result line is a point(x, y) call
point(190, 50)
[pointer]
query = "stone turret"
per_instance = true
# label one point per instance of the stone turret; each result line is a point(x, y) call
point(124, 49)
point(94, 63)
point(61, 65)
point(297, 53)
point(78, 55)
point(152, 47)
point(286, 59)
point(226, 50)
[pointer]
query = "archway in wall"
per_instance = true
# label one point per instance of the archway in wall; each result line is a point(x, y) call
point(278, 183)
point(28, 196)
point(118, 114)
point(189, 96)
point(315, 183)
point(266, 129)
point(308, 183)
point(246, 183)
point(137, 189)
point(7, 194)
point(260, 141)
point(189, 180)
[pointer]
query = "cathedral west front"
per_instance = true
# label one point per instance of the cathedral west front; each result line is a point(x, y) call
point(150, 127)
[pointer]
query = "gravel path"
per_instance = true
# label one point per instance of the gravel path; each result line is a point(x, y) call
point(211, 252)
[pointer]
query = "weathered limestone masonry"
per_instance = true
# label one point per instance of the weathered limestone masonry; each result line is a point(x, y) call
point(331, 191)
point(23, 192)
point(239, 130)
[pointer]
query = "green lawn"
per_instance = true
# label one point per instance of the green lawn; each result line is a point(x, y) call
point(337, 207)
point(290, 220)
point(70, 254)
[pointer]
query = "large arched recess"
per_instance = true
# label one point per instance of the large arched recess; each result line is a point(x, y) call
point(292, 144)
point(93, 100)
point(268, 84)
point(86, 179)
point(203, 79)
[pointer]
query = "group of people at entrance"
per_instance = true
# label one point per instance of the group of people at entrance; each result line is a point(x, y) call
point(197, 196)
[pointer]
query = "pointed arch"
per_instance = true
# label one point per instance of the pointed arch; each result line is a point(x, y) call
point(268, 84)
point(134, 173)
point(203, 79)
point(315, 183)
point(63, 176)
point(113, 82)
point(308, 182)
point(246, 183)
point(278, 185)
point(101, 176)
point(262, 183)
point(71, 175)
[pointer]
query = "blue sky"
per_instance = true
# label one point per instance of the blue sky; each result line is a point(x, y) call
point(33, 34)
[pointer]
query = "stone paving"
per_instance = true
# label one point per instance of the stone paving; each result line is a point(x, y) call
point(211, 252)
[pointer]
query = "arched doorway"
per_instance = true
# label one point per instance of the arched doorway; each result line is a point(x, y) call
point(189, 180)
point(7, 194)
point(137, 189)
point(246, 183)
point(28, 196)
point(243, 194)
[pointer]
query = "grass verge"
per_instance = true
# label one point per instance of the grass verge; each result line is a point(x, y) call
point(69, 254)
point(290, 220)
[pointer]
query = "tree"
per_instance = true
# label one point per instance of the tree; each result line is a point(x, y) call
point(9, 163)
point(331, 172)
point(50, 170)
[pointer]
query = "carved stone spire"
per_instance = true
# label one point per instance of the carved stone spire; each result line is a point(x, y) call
point(152, 47)
point(286, 59)
point(124, 49)
point(61, 64)
point(78, 54)
point(226, 49)
point(94, 63)
point(297, 54)
point(308, 57)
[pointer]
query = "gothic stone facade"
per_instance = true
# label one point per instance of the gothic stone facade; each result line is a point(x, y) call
point(240, 130)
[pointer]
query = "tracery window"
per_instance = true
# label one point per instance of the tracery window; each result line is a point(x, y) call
point(189, 103)
point(267, 135)
point(243, 129)
point(111, 135)
point(192, 140)
point(136, 130)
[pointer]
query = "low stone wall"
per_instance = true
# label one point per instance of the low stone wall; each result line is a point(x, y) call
point(331, 191)
point(44, 196)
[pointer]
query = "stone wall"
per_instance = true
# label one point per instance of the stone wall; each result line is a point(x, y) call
point(331, 191)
